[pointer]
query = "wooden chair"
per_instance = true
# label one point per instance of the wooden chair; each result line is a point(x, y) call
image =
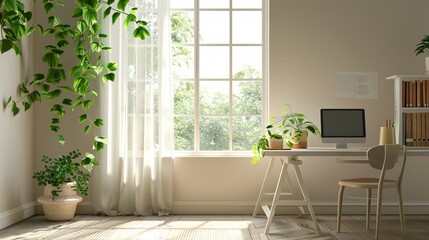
point(381, 157)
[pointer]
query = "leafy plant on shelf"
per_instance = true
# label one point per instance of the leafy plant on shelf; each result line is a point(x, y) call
point(86, 37)
point(263, 143)
point(65, 168)
point(423, 46)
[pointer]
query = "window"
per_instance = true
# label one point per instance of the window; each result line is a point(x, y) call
point(219, 70)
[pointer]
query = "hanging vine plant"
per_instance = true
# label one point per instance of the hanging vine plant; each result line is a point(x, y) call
point(85, 36)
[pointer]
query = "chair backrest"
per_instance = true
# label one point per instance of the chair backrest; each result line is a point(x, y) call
point(384, 157)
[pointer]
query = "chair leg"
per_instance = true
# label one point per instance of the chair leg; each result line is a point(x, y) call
point(379, 200)
point(339, 207)
point(368, 207)
point(401, 210)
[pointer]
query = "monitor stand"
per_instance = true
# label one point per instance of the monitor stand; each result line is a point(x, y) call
point(341, 146)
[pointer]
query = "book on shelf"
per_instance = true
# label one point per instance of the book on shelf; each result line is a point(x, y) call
point(415, 129)
point(415, 93)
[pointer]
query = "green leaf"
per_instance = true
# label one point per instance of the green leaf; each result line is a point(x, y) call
point(101, 139)
point(109, 77)
point(61, 139)
point(107, 12)
point(122, 4)
point(76, 104)
point(55, 121)
point(5, 45)
point(48, 6)
point(8, 101)
point(26, 105)
point(67, 101)
point(86, 129)
point(55, 94)
point(15, 109)
point(58, 109)
point(130, 18)
point(55, 128)
point(110, 1)
point(87, 103)
point(98, 122)
point(51, 59)
point(112, 66)
point(38, 76)
point(81, 26)
point(23, 88)
point(83, 117)
point(77, 12)
point(115, 17)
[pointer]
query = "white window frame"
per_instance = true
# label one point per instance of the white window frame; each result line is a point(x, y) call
point(196, 79)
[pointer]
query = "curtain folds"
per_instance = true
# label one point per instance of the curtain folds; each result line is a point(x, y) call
point(136, 167)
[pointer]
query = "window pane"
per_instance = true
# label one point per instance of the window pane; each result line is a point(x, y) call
point(247, 27)
point(247, 62)
point(184, 97)
point(182, 27)
point(246, 3)
point(214, 97)
point(214, 27)
point(247, 97)
point(214, 62)
point(184, 133)
point(181, 3)
point(214, 3)
point(183, 62)
point(214, 133)
point(245, 132)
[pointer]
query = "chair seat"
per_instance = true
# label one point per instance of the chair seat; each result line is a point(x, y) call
point(367, 183)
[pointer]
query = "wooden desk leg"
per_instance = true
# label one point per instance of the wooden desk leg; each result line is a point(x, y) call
point(264, 183)
point(306, 196)
point(272, 212)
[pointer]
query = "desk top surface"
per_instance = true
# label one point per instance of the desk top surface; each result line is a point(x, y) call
point(321, 151)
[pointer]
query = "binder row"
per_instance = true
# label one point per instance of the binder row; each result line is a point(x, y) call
point(416, 129)
point(415, 93)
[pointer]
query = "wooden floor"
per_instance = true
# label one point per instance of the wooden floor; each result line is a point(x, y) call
point(213, 227)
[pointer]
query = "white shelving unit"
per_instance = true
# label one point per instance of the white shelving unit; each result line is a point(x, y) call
point(399, 109)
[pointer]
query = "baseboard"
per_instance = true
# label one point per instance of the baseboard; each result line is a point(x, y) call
point(17, 214)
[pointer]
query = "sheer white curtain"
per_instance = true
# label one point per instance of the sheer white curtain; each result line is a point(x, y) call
point(136, 168)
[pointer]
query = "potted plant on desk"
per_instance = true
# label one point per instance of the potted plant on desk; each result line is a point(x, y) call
point(62, 177)
point(273, 141)
point(295, 127)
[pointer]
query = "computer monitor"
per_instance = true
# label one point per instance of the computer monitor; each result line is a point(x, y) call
point(342, 126)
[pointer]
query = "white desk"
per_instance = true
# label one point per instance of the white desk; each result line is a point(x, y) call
point(290, 157)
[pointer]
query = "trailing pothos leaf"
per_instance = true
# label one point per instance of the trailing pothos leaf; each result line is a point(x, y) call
point(86, 38)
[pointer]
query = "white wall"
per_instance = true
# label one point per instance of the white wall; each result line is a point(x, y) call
point(310, 41)
point(16, 142)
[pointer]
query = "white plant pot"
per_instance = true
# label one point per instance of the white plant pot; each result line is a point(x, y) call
point(63, 208)
point(427, 65)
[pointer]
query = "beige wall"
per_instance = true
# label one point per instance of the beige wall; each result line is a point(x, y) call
point(310, 41)
point(16, 142)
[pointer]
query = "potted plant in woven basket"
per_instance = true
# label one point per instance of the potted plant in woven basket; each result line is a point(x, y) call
point(63, 177)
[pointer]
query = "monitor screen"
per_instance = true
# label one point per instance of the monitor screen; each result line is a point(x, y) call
point(342, 126)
